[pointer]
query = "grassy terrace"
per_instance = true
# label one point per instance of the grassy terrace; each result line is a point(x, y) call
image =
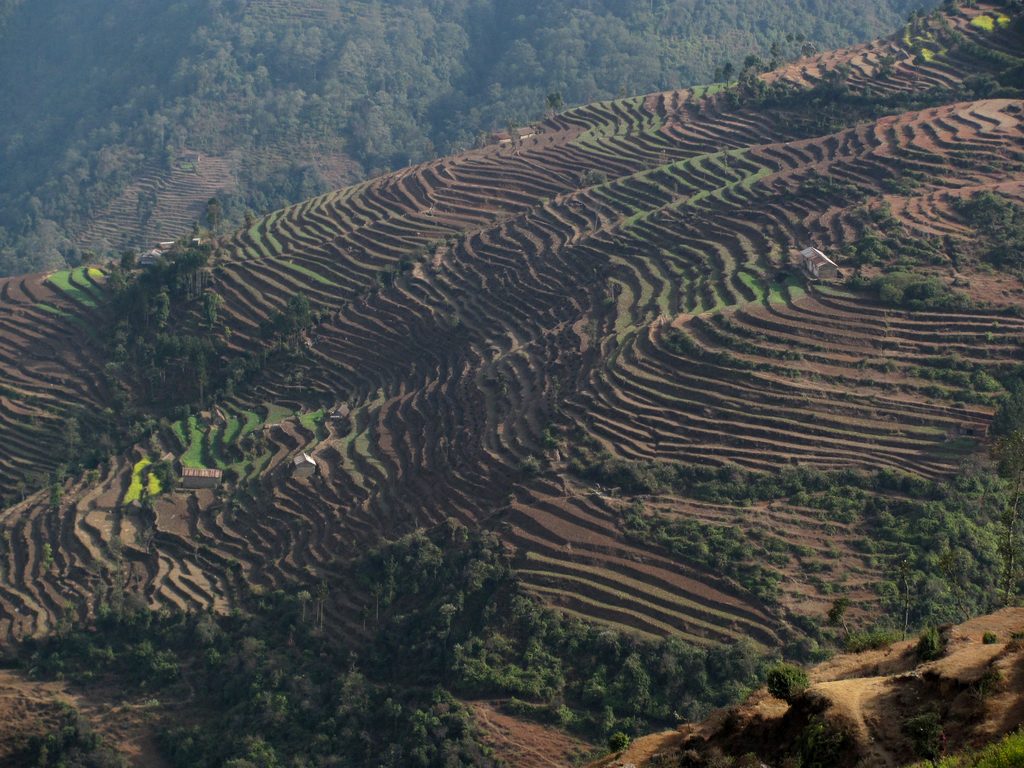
point(142, 479)
point(76, 285)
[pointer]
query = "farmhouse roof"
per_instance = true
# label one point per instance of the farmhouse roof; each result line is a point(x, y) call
point(341, 412)
point(816, 258)
point(303, 458)
point(200, 472)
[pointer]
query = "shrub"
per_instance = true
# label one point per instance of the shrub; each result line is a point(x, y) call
point(989, 638)
point(786, 681)
point(925, 733)
point(915, 292)
point(871, 640)
point(618, 741)
point(820, 744)
point(988, 683)
point(931, 645)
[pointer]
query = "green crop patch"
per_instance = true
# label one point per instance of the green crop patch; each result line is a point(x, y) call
point(69, 281)
point(134, 492)
point(307, 272)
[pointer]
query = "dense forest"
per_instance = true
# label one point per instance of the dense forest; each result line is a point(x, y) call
point(297, 94)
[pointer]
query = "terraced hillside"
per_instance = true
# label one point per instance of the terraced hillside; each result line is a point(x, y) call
point(622, 284)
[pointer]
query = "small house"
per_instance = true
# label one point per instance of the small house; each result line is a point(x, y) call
point(340, 419)
point(165, 246)
point(303, 466)
point(818, 265)
point(527, 132)
point(150, 258)
point(194, 477)
point(501, 137)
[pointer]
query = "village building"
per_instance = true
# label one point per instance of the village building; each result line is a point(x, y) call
point(303, 466)
point(340, 419)
point(521, 134)
point(818, 265)
point(194, 477)
point(150, 258)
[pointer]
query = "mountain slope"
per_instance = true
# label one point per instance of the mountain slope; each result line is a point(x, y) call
point(594, 348)
point(622, 282)
point(867, 701)
point(106, 106)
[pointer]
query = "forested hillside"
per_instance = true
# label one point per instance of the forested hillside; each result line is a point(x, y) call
point(120, 120)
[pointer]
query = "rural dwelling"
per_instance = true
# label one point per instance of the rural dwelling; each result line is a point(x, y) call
point(818, 265)
point(340, 418)
point(504, 137)
point(303, 466)
point(150, 258)
point(193, 477)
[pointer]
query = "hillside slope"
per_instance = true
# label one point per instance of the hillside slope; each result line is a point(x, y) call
point(592, 353)
point(501, 334)
point(864, 702)
point(104, 105)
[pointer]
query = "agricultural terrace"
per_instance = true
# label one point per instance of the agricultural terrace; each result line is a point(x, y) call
point(624, 281)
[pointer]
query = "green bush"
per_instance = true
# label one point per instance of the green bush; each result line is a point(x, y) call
point(925, 731)
point(820, 744)
point(871, 640)
point(911, 291)
point(931, 645)
point(786, 681)
point(989, 638)
point(1007, 753)
point(618, 741)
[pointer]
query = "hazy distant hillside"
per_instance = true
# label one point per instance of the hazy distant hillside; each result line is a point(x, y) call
point(104, 103)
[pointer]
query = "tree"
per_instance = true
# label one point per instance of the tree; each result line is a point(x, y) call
point(925, 732)
point(214, 213)
point(321, 600)
point(1009, 455)
point(930, 645)
point(162, 308)
point(212, 302)
point(555, 102)
point(618, 741)
point(837, 613)
point(786, 682)
point(72, 437)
